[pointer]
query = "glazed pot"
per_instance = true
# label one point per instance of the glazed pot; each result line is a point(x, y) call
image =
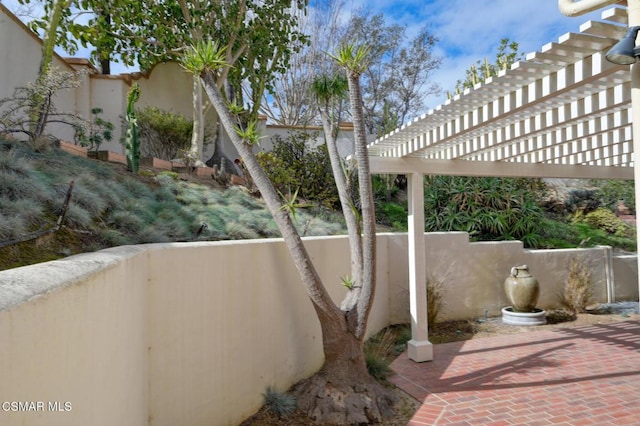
point(522, 289)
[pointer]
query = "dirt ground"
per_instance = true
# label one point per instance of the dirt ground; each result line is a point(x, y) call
point(453, 331)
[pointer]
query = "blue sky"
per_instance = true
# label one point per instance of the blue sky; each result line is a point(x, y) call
point(468, 30)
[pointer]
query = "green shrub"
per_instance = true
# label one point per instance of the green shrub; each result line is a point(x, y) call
point(377, 365)
point(611, 191)
point(392, 214)
point(605, 219)
point(377, 351)
point(489, 209)
point(582, 200)
point(293, 164)
point(162, 133)
point(95, 132)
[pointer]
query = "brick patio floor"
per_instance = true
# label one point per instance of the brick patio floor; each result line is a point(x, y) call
point(587, 375)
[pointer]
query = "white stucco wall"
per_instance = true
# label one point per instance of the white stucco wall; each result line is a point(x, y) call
point(81, 339)
point(166, 86)
point(193, 333)
point(188, 333)
point(20, 53)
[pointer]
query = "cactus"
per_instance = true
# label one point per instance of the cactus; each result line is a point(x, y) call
point(132, 142)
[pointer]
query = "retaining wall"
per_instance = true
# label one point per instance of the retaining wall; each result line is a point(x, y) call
point(193, 333)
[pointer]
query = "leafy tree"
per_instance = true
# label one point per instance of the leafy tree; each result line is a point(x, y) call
point(399, 71)
point(149, 32)
point(40, 104)
point(290, 99)
point(478, 73)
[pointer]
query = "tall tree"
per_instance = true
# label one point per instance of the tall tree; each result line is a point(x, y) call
point(40, 102)
point(290, 99)
point(148, 32)
point(398, 77)
point(400, 69)
point(354, 396)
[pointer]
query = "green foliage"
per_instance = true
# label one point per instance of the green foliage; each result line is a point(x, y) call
point(279, 403)
point(203, 56)
point(577, 291)
point(567, 234)
point(605, 219)
point(99, 131)
point(249, 132)
point(347, 281)
point(377, 365)
point(162, 133)
point(489, 209)
point(293, 165)
point(582, 200)
point(611, 192)
point(119, 209)
point(382, 347)
point(482, 70)
point(132, 140)
point(240, 231)
point(393, 215)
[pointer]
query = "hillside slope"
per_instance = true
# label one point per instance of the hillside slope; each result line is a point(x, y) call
point(110, 206)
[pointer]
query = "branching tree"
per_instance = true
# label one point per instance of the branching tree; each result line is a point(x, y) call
point(32, 108)
point(289, 100)
point(399, 75)
point(342, 392)
point(148, 32)
point(397, 79)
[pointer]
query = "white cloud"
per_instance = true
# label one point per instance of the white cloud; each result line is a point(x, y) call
point(470, 30)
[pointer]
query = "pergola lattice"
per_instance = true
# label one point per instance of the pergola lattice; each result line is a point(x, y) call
point(563, 112)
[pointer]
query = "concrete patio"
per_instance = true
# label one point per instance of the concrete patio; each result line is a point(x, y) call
point(588, 375)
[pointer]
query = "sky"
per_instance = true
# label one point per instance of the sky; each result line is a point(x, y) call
point(468, 30)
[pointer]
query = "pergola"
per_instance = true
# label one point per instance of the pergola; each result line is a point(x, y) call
point(563, 112)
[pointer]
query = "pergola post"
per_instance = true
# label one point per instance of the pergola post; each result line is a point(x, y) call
point(419, 348)
point(633, 11)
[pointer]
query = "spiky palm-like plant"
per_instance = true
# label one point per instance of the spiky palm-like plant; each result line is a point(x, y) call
point(344, 373)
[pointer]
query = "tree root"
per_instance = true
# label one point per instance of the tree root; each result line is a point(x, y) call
point(362, 403)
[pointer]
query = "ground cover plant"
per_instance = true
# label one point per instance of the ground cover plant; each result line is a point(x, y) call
point(112, 207)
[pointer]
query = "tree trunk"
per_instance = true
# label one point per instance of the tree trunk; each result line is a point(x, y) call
point(365, 301)
point(342, 392)
point(353, 227)
point(197, 135)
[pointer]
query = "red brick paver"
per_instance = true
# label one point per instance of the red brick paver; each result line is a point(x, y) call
point(586, 375)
